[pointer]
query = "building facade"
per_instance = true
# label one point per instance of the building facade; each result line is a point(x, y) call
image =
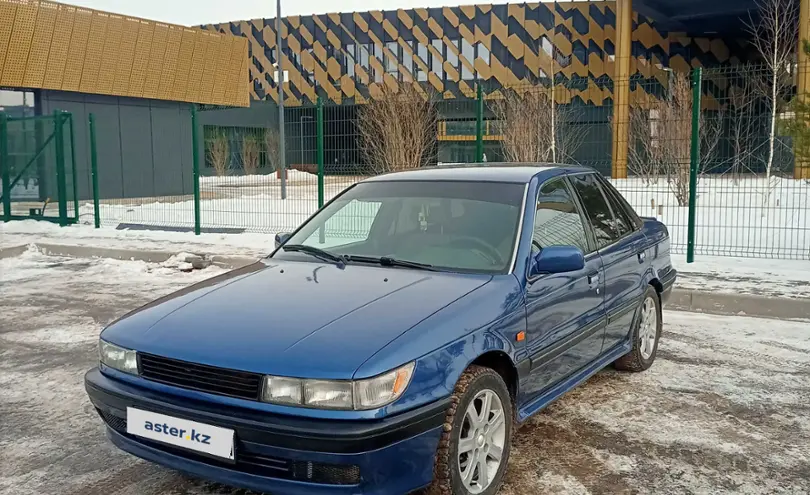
point(139, 78)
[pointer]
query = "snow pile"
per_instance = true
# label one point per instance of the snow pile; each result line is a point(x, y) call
point(256, 180)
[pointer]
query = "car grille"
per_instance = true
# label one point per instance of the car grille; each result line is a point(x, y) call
point(221, 381)
point(261, 465)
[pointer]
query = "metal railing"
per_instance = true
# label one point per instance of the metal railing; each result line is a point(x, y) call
point(699, 156)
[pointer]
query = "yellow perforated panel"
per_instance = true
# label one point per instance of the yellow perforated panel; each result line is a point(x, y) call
point(221, 71)
point(78, 46)
point(173, 38)
point(60, 43)
point(109, 57)
point(94, 52)
point(40, 45)
point(126, 54)
point(140, 62)
point(19, 44)
point(8, 11)
point(237, 71)
point(196, 71)
point(158, 50)
point(210, 68)
point(49, 45)
point(180, 87)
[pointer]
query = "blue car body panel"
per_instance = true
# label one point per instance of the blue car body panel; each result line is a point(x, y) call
point(313, 319)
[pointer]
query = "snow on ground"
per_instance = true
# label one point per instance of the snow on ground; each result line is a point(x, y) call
point(723, 410)
point(759, 276)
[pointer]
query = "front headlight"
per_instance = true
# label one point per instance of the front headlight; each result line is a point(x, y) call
point(371, 393)
point(118, 358)
point(381, 390)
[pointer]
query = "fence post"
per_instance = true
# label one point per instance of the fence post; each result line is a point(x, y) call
point(195, 162)
point(694, 162)
point(73, 169)
point(61, 176)
point(479, 124)
point(5, 166)
point(94, 170)
point(320, 151)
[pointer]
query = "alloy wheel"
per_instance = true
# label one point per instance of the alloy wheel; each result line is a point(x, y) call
point(481, 442)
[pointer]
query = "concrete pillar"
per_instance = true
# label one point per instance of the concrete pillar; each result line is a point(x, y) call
point(621, 87)
point(801, 167)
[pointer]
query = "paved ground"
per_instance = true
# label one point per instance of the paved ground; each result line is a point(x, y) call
point(724, 410)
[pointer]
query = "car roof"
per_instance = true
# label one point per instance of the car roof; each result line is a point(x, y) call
point(520, 173)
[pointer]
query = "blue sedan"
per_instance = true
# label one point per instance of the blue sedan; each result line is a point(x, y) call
point(396, 339)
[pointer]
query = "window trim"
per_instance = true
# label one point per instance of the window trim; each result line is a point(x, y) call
point(562, 177)
point(636, 220)
point(610, 209)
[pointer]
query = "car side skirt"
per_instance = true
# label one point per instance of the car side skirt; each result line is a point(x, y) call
point(558, 390)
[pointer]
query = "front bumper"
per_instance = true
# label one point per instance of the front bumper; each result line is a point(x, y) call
point(280, 454)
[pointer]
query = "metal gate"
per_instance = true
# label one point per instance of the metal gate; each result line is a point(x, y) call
point(38, 168)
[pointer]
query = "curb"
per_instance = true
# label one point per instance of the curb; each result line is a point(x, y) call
point(715, 303)
point(12, 251)
point(694, 301)
point(226, 262)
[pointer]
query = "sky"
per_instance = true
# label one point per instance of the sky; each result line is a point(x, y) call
point(195, 12)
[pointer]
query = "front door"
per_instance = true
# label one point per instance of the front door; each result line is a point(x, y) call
point(565, 312)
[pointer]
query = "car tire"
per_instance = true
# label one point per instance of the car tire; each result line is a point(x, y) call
point(646, 334)
point(489, 437)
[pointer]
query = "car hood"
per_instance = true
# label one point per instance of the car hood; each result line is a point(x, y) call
point(291, 318)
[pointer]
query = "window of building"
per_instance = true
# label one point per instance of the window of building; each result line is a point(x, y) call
point(392, 60)
point(17, 103)
point(483, 52)
point(407, 62)
point(421, 52)
point(350, 56)
point(437, 61)
point(468, 52)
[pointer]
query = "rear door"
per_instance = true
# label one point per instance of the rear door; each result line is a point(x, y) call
point(566, 317)
point(621, 245)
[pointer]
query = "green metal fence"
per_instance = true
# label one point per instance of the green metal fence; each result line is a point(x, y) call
point(700, 156)
point(38, 168)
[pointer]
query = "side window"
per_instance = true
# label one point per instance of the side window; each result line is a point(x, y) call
point(621, 208)
point(557, 221)
point(596, 209)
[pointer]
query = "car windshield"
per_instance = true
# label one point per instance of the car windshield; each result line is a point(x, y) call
point(447, 225)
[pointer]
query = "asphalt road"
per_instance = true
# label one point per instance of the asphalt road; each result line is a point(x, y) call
point(725, 408)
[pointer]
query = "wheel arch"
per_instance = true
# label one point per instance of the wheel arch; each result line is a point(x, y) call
point(501, 363)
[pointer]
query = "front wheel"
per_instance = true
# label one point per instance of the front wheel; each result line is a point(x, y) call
point(476, 441)
point(646, 334)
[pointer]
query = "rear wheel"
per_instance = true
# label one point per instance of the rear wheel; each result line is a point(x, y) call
point(476, 441)
point(647, 327)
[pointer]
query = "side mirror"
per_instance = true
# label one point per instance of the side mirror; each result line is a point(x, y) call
point(557, 259)
point(281, 238)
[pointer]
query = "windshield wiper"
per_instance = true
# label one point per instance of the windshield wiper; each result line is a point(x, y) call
point(317, 252)
point(387, 261)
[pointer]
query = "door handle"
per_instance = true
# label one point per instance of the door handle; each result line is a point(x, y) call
point(593, 281)
point(642, 255)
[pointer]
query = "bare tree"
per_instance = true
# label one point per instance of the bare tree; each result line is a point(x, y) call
point(741, 125)
point(218, 150)
point(534, 127)
point(710, 132)
point(643, 158)
point(250, 153)
point(775, 35)
point(398, 128)
point(271, 146)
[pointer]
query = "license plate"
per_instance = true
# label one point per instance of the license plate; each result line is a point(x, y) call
point(192, 435)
